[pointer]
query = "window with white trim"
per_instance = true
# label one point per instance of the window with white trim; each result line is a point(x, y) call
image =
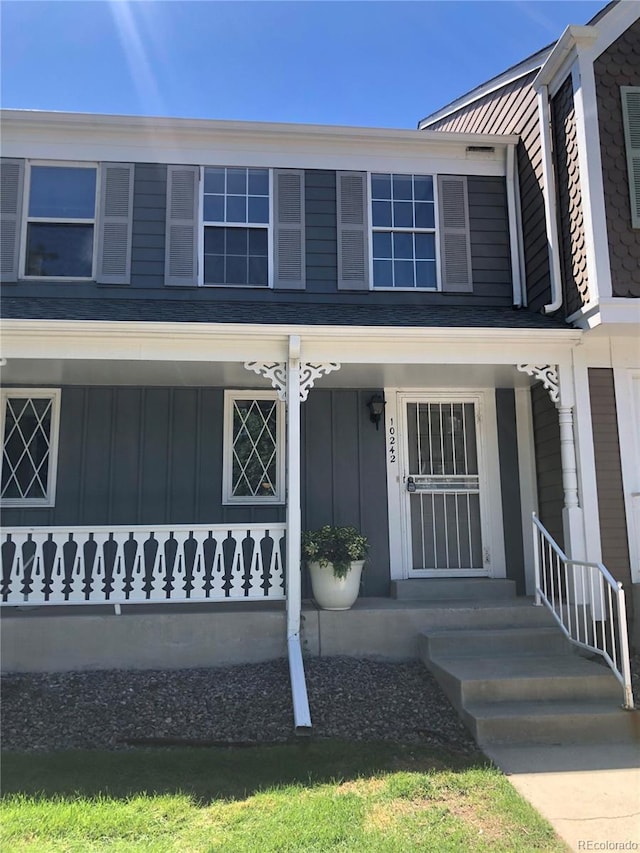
point(60, 221)
point(403, 224)
point(236, 213)
point(30, 420)
point(253, 448)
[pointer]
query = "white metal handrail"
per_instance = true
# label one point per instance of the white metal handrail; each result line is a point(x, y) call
point(142, 564)
point(587, 602)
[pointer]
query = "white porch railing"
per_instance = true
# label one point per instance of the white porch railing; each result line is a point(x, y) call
point(587, 603)
point(140, 564)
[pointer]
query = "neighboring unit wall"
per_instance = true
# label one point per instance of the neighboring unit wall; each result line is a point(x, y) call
point(618, 66)
point(573, 256)
point(546, 437)
point(514, 109)
point(613, 526)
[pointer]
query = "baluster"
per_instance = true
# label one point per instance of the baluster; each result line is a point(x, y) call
point(256, 572)
point(236, 576)
point(199, 569)
point(275, 569)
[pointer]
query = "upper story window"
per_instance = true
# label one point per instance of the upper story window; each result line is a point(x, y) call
point(66, 220)
point(403, 231)
point(631, 119)
point(236, 218)
point(60, 224)
point(29, 446)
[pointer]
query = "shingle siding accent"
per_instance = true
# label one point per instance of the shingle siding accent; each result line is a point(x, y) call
point(618, 66)
point(573, 255)
point(611, 510)
point(514, 109)
point(546, 440)
point(149, 214)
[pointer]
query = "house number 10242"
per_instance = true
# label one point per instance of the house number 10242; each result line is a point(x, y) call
point(392, 441)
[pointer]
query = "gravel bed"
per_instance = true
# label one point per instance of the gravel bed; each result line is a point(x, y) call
point(349, 698)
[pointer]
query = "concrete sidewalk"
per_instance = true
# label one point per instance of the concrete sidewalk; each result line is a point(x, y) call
point(590, 794)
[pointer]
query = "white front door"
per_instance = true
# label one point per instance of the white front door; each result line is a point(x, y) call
point(443, 488)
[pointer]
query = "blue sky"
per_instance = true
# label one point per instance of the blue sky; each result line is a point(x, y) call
point(374, 64)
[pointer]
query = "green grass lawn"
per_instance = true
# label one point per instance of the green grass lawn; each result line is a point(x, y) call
point(309, 796)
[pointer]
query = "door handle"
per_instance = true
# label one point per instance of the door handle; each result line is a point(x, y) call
point(411, 486)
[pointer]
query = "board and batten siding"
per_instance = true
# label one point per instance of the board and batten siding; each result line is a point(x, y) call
point(344, 479)
point(618, 66)
point(611, 510)
point(546, 440)
point(513, 109)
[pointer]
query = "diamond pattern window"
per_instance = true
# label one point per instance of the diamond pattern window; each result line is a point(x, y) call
point(253, 448)
point(29, 447)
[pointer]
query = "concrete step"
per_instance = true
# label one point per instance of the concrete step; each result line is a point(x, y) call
point(453, 589)
point(534, 640)
point(469, 680)
point(551, 723)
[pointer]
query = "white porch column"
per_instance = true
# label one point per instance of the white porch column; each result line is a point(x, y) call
point(294, 512)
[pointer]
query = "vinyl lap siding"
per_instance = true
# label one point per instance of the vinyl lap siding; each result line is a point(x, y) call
point(613, 528)
point(573, 255)
point(149, 214)
point(489, 226)
point(320, 230)
point(514, 109)
point(618, 66)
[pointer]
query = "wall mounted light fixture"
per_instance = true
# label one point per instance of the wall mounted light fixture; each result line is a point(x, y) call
point(376, 409)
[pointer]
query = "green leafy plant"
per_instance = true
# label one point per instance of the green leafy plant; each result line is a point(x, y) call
point(336, 545)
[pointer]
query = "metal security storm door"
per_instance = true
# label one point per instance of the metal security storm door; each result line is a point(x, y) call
point(442, 486)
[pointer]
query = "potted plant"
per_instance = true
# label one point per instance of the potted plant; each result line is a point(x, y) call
point(335, 556)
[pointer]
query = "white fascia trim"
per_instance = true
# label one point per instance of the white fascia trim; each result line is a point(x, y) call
point(180, 141)
point(508, 76)
point(611, 311)
point(572, 38)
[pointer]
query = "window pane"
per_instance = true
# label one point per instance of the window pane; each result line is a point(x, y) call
point(213, 269)
point(254, 452)
point(236, 209)
point(259, 182)
point(214, 208)
point(258, 209)
point(402, 187)
point(383, 274)
point(237, 181)
point(402, 214)
point(381, 211)
point(381, 186)
point(236, 270)
point(423, 187)
point(403, 245)
point(237, 240)
point(425, 246)
point(425, 273)
point(214, 241)
point(60, 251)
point(258, 241)
point(381, 244)
point(258, 271)
point(403, 274)
point(214, 180)
point(26, 446)
point(62, 192)
point(425, 215)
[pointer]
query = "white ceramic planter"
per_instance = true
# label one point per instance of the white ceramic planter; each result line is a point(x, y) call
point(332, 593)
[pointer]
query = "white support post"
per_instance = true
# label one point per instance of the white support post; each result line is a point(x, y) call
point(301, 713)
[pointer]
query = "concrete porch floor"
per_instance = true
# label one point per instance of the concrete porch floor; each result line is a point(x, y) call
point(173, 636)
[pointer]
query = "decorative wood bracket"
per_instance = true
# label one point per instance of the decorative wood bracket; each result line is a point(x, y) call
point(547, 374)
point(310, 371)
point(276, 373)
